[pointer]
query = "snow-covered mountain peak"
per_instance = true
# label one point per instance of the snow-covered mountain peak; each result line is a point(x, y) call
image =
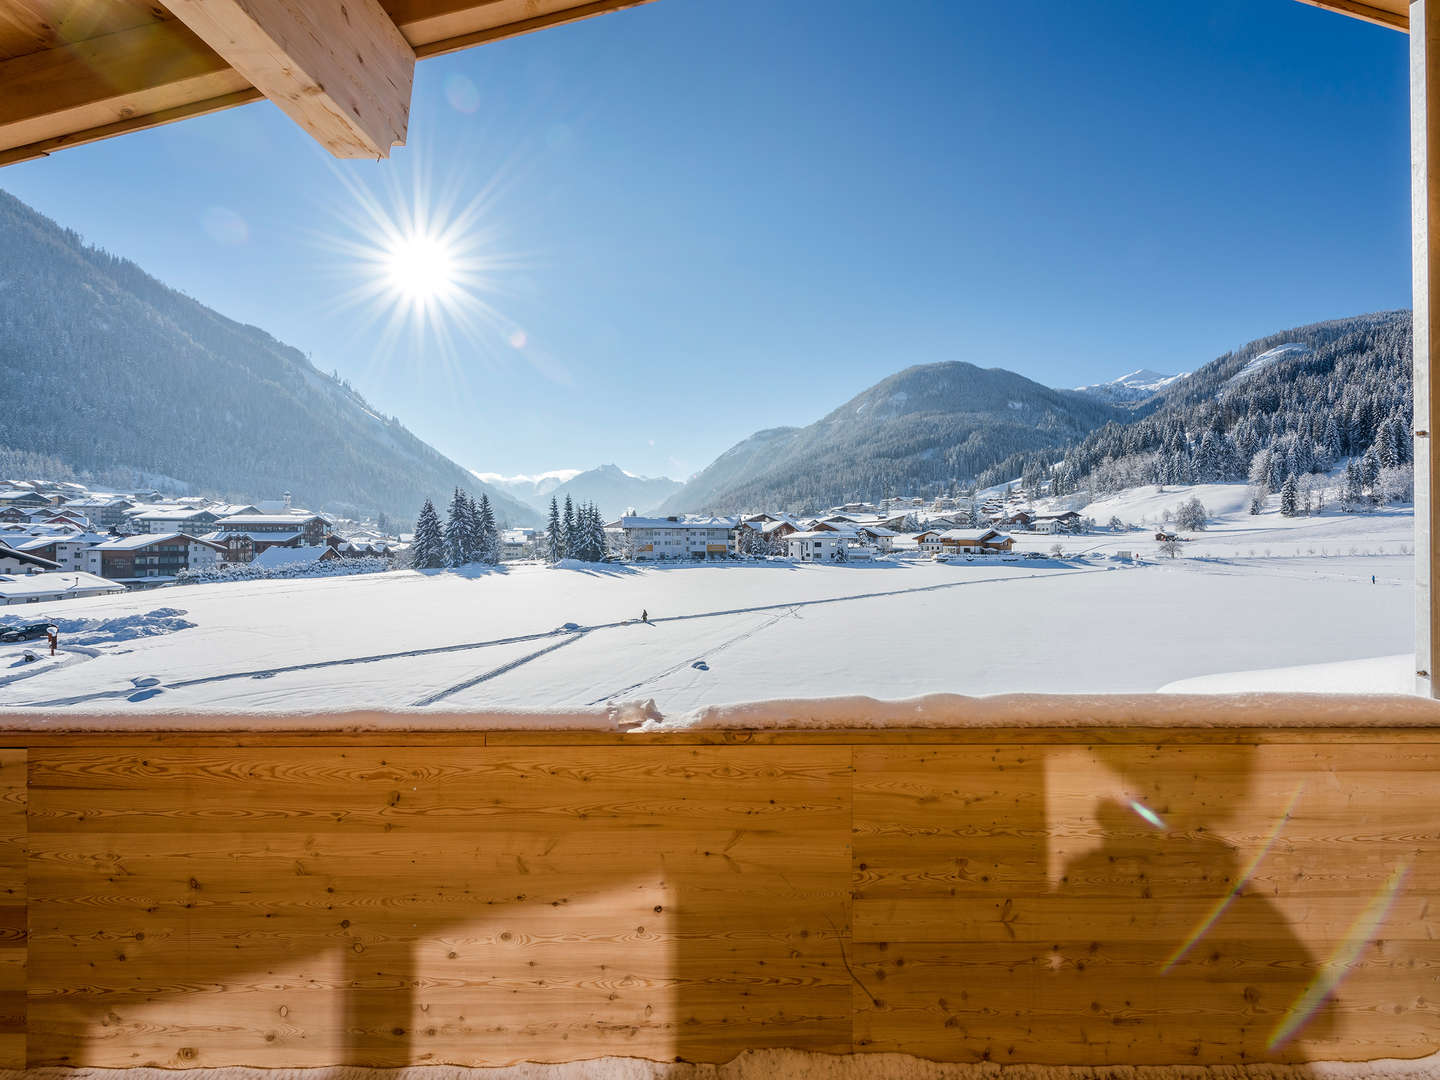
point(1134, 386)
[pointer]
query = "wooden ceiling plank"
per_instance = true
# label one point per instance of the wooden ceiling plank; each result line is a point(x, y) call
point(339, 68)
point(1369, 12)
point(107, 79)
point(436, 27)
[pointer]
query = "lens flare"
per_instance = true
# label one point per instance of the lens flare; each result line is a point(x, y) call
point(1333, 971)
point(1239, 886)
point(1148, 814)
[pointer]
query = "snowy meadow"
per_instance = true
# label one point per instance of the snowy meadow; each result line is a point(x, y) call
point(1252, 602)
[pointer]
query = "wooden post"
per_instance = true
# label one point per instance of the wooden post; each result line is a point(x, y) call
point(1425, 212)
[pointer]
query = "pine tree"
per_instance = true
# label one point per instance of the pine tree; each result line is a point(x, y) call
point(567, 530)
point(1290, 496)
point(487, 533)
point(472, 517)
point(554, 537)
point(459, 539)
point(427, 552)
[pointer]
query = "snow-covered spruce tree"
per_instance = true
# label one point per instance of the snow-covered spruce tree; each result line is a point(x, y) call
point(592, 533)
point(427, 551)
point(1290, 496)
point(568, 532)
point(1256, 497)
point(487, 533)
point(472, 516)
point(554, 538)
point(459, 531)
point(1353, 496)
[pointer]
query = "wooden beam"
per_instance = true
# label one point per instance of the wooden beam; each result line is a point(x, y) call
point(1425, 258)
point(1358, 9)
point(158, 73)
point(339, 68)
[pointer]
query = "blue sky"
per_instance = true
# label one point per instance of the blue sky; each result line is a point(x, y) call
point(708, 217)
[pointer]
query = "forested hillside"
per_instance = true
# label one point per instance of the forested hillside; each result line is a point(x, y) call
point(919, 431)
point(114, 376)
point(1294, 403)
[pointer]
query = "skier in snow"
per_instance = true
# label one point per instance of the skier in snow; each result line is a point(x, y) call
point(1372, 579)
point(644, 615)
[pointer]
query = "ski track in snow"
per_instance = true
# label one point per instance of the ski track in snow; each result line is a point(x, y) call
point(691, 661)
point(494, 673)
point(571, 635)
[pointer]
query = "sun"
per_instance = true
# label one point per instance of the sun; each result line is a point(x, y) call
point(420, 267)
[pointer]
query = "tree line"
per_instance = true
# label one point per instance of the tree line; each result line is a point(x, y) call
point(470, 534)
point(576, 532)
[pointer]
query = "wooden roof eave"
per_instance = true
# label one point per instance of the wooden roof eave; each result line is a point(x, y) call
point(161, 71)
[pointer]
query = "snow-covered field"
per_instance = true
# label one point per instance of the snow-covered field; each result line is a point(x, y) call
point(1250, 593)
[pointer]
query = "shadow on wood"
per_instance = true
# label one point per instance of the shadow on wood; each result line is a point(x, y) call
point(1070, 903)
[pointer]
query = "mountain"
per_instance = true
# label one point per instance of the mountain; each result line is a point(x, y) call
point(1297, 402)
point(921, 430)
point(1133, 388)
point(533, 491)
point(614, 490)
point(128, 382)
point(610, 487)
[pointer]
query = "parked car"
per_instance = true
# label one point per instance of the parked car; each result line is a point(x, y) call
point(33, 632)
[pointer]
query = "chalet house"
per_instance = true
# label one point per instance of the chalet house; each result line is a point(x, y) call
point(1021, 519)
point(165, 519)
point(964, 542)
point(1068, 522)
point(877, 537)
point(23, 498)
point(516, 544)
point(45, 588)
point(69, 551)
point(15, 515)
point(819, 545)
point(688, 537)
point(295, 529)
point(148, 556)
point(101, 513)
point(24, 562)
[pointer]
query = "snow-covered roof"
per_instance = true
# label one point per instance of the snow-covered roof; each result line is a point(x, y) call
point(297, 519)
point(219, 536)
point(7, 552)
point(174, 513)
point(876, 530)
point(972, 536)
point(826, 534)
point(69, 581)
point(283, 556)
point(689, 521)
point(144, 540)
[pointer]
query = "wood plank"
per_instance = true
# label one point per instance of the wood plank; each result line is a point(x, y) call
point(145, 72)
point(1101, 1003)
point(339, 68)
point(1003, 892)
point(1389, 13)
point(697, 913)
point(14, 898)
